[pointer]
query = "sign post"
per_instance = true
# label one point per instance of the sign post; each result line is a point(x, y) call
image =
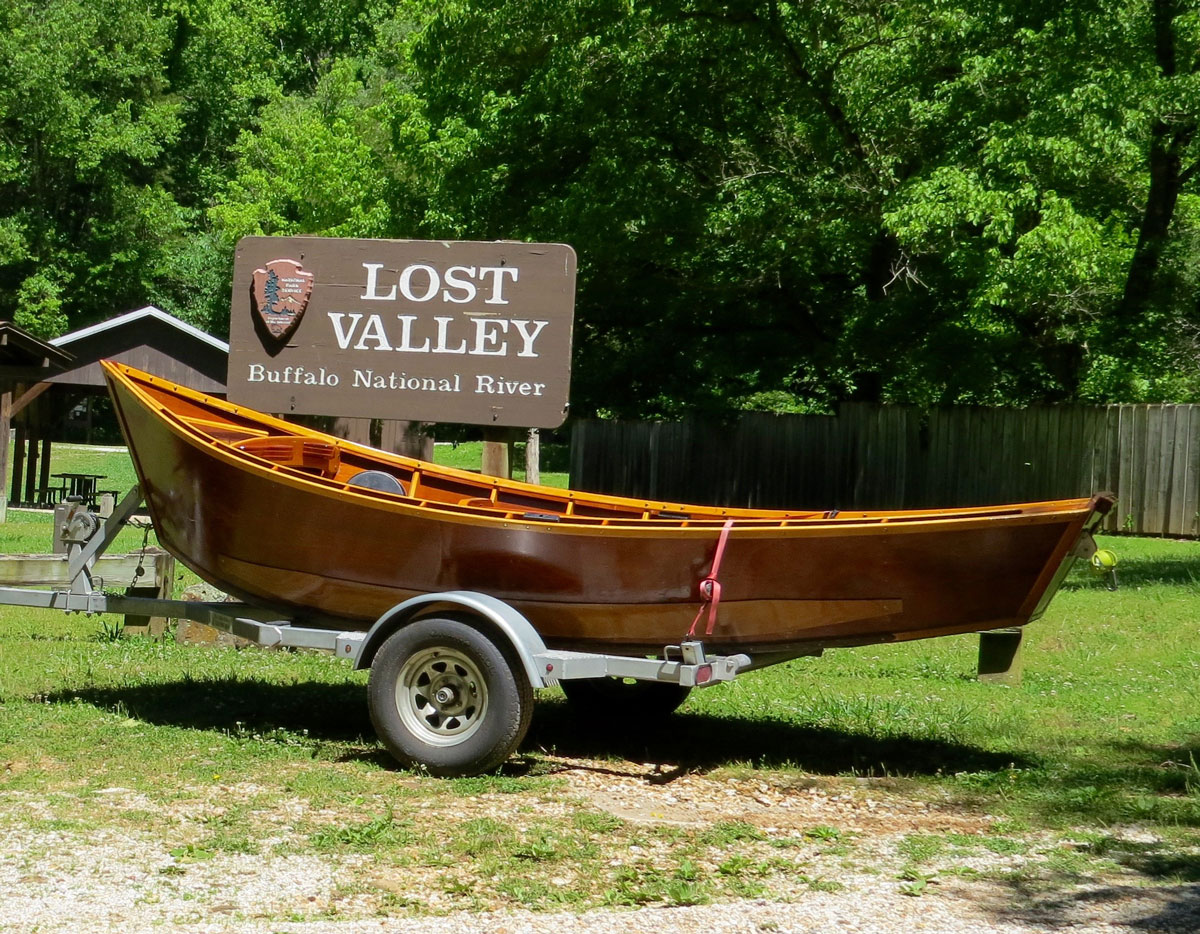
point(472, 332)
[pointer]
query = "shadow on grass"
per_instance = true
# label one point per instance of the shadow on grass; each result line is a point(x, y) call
point(338, 713)
point(702, 741)
point(331, 712)
point(1148, 856)
point(1173, 909)
point(1111, 784)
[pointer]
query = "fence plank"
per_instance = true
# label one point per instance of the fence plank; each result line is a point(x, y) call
point(1174, 476)
point(1127, 499)
point(1191, 482)
point(1112, 479)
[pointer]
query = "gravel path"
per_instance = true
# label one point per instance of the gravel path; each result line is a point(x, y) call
point(50, 883)
point(81, 905)
point(124, 878)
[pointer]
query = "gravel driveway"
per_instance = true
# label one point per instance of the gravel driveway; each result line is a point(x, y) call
point(99, 889)
point(126, 880)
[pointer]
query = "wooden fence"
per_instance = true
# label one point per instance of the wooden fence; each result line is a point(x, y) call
point(885, 457)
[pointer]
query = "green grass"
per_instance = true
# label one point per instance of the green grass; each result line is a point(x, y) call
point(112, 462)
point(1102, 734)
point(468, 455)
point(119, 474)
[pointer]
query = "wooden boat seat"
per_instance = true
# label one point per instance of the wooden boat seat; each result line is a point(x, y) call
point(223, 431)
point(377, 480)
point(302, 453)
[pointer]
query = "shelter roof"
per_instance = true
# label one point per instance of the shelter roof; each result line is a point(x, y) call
point(151, 340)
point(25, 358)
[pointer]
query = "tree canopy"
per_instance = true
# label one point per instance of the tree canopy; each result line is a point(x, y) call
point(775, 205)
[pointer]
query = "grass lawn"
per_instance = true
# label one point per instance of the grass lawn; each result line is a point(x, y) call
point(468, 455)
point(1091, 761)
point(115, 464)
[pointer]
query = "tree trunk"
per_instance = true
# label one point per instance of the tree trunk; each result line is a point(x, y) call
point(1168, 142)
point(1165, 166)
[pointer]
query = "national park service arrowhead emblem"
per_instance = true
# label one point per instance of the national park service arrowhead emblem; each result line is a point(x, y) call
point(280, 291)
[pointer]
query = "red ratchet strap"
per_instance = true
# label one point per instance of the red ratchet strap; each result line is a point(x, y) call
point(710, 587)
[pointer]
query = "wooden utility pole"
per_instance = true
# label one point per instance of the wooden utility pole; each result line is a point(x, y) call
point(533, 456)
point(496, 460)
point(5, 431)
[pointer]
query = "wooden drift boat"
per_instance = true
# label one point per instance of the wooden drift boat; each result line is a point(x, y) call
point(337, 533)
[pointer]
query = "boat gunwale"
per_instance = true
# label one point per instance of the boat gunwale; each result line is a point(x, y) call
point(743, 522)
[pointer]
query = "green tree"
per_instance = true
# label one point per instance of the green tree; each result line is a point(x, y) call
point(86, 117)
point(909, 200)
point(774, 203)
point(341, 158)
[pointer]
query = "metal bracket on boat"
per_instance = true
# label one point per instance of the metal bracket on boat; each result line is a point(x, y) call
point(1085, 545)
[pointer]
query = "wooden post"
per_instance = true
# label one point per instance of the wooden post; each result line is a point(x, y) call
point(22, 397)
point(407, 438)
point(496, 462)
point(357, 430)
point(533, 456)
point(44, 476)
point(31, 468)
point(1000, 656)
point(5, 431)
point(18, 463)
point(159, 586)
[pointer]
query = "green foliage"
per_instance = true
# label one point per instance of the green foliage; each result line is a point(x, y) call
point(87, 117)
point(384, 830)
point(909, 201)
point(776, 206)
point(315, 165)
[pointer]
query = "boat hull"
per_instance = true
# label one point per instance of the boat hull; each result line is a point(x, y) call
point(307, 545)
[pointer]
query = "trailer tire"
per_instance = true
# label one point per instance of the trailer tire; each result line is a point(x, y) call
point(449, 698)
point(626, 701)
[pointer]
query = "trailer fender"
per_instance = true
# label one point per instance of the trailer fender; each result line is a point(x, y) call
point(496, 617)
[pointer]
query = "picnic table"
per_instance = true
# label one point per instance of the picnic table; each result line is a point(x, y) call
point(82, 485)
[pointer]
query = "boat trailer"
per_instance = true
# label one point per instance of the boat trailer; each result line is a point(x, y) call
point(452, 674)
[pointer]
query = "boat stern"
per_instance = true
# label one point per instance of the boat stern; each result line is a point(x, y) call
point(1083, 546)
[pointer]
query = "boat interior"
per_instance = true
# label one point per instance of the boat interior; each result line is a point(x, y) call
point(329, 461)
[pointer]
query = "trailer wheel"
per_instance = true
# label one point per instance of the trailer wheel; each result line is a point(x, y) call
point(601, 698)
point(445, 696)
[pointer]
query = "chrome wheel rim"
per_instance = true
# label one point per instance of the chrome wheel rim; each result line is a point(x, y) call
point(441, 696)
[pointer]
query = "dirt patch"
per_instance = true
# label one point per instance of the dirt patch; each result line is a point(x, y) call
point(646, 793)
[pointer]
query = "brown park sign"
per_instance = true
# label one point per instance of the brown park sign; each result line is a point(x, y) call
point(475, 332)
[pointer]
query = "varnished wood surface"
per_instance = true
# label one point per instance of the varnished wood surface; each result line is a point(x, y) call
point(587, 570)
